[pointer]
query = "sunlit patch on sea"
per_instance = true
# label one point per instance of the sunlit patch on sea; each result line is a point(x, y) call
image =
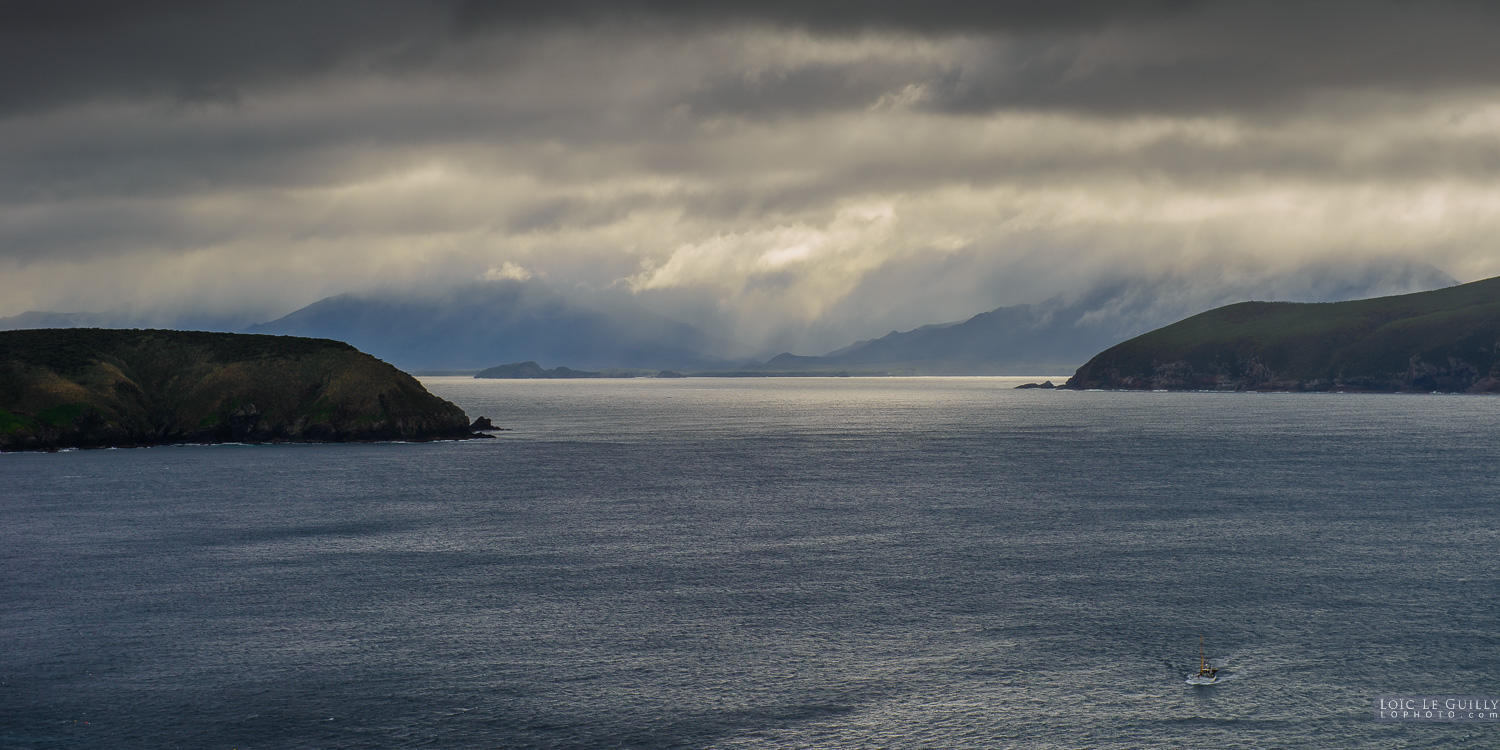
point(768, 563)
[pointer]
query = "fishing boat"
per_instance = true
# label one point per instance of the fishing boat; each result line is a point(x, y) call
point(1206, 675)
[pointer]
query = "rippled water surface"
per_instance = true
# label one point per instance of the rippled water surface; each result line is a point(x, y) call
point(768, 563)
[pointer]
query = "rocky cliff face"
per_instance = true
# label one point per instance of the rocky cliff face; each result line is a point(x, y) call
point(95, 388)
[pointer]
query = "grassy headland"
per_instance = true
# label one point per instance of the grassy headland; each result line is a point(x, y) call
point(1443, 340)
point(89, 387)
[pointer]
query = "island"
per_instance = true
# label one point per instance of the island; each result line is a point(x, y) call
point(94, 388)
point(532, 371)
point(1446, 340)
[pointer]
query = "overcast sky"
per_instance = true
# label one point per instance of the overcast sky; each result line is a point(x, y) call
point(783, 173)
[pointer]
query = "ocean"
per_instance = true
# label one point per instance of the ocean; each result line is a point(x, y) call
point(768, 563)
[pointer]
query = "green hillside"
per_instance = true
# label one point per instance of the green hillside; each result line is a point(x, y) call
point(89, 387)
point(1444, 340)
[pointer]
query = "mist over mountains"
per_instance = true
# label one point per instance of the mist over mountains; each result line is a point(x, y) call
point(484, 324)
point(1055, 336)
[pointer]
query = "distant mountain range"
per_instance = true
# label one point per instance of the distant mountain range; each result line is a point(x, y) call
point(467, 328)
point(1445, 340)
point(482, 325)
point(1052, 337)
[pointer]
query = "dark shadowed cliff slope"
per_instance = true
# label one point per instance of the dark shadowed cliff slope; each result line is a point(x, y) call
point(1444, 340)
point(89, 387)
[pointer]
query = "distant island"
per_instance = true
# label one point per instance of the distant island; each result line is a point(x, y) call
point(89, 388)
point(533, 371)
point(1445, 340)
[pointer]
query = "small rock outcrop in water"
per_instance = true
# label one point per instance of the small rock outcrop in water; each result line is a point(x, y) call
point(1045, 384)
point(1445, 340)
point(483, 424)
point(88, 388)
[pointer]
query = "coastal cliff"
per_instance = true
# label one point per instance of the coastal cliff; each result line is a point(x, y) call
point(1444, 340)
point(89, 387)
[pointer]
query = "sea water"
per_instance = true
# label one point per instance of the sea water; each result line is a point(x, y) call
point(744, 563)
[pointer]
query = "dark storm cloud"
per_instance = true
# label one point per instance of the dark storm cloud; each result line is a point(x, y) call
point(1107, 56)
point(776, 167)
point(804, 89)
point(56, 52)
point(1212, 56)
point(1237, 57)
point(831, 16)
